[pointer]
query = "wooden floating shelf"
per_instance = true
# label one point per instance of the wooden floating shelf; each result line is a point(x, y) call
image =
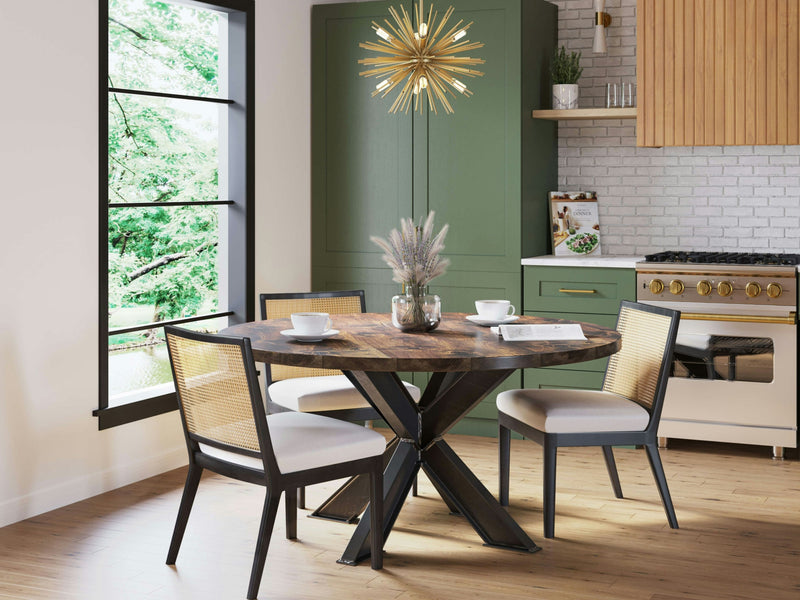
point(585, 114)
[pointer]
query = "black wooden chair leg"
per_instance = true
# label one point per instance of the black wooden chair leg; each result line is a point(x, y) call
point(262, 545)
point(414, 488)
point(611, 466)
point(376, 519)
point(301, 497)
point(189, 492)
point(504, 438)
point(549, 500)
point(291, 513)
point(661, 482)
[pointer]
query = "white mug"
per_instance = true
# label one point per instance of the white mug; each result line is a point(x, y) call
point(494, 310)
point(311, 323)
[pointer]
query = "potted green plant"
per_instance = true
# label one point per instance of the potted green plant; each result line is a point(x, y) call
point(565, 71)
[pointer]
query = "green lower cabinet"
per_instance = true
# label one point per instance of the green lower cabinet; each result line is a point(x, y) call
point(550, 378)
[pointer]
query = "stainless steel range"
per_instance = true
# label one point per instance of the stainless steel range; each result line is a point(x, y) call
point(734, 375)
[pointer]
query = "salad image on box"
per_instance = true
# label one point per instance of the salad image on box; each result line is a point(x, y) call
point(575, 223)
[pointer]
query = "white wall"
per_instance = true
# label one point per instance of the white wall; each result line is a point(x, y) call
point(734, 198)
point(51, 452)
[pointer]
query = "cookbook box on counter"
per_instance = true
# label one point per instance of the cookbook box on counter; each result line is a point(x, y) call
point(575, 224)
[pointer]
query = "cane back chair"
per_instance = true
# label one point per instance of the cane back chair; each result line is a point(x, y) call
point(321, 391)
point(228, 432)
point(626, 411)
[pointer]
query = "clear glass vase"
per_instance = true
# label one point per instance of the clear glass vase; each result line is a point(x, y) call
point(415, 310)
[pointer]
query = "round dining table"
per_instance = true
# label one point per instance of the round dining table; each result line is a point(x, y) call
point(466, 362)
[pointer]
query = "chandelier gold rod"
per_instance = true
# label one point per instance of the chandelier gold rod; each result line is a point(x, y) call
point(441, 94)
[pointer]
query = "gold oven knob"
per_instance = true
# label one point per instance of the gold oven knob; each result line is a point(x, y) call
point(752, 289)
point(703, 288)
point(676, 286)
point(656, 286)
point(724, 288)
point(774, 290)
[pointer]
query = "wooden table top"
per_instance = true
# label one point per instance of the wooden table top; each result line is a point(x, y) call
point(369, 342)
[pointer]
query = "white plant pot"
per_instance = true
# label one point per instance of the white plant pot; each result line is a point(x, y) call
point(565, 95)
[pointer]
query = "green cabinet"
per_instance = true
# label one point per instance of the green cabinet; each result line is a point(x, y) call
point(486, 170)
point(588, 294)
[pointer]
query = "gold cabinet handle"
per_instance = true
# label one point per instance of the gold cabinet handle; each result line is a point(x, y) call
point(566, 291)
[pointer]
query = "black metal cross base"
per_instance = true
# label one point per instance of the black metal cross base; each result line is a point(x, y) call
point(420, 427)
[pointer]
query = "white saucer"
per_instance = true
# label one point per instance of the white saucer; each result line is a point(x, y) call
point(304, 337)
point(478, 320)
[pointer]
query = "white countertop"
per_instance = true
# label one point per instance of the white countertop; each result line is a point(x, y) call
point(616, 262)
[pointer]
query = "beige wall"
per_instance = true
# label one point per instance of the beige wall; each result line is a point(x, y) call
point(51, 453)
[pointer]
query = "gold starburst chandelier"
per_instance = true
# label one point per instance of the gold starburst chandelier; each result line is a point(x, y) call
point(421, 61)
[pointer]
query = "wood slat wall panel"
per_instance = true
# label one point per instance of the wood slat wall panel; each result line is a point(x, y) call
point(658, 75)
point(781, 115)
point(718, 72)
point(710, 35)
point(771, 47)
point(750, 73)
point(669, 73)
point(740, 86)
point(793, 73)
point(729, 52)
point(699, 74)
point(680, 91)
point(761, 71)
point(688, 72)
point(646, 86)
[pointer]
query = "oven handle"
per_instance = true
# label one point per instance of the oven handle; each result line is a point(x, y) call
point(790, 320)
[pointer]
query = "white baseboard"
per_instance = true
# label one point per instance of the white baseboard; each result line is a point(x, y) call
point(50, 498)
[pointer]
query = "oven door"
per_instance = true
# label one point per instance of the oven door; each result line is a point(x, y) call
point(733, 380)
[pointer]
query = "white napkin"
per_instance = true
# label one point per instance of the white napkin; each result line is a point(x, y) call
point(565, 331)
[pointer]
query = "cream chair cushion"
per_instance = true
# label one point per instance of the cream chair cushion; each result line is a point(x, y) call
point(573, 411)
point(317, 394)
point(306, 441)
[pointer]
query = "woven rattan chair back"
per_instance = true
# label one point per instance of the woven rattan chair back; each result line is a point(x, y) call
point(281, 306)
point(215, 391)
point(637, 370)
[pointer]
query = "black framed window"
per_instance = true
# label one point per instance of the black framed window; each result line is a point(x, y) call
point(176, 188)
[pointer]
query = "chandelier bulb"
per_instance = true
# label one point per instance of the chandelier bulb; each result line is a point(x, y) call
point(382, 85)
point(459, 35)
point(459, 86)
point(423, 29)
point(382, 33)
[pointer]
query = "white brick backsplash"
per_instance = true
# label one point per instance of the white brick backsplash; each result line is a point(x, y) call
point(731, 198)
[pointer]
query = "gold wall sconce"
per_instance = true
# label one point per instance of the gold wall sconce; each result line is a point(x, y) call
point(601, 20)
point(421, 61)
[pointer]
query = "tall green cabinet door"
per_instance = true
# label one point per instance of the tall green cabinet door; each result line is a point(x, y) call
point(361, 156)
point(468, 166)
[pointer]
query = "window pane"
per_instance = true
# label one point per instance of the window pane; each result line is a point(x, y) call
point(162, 150)
point(162, 263)
point(163, 47)
point(138, 363)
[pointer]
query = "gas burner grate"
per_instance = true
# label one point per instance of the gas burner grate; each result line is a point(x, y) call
point(731, 258)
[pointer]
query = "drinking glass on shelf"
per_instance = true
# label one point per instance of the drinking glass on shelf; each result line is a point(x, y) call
point(612, 95)
point(626, 94)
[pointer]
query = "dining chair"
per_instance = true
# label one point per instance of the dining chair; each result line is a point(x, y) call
point(228, 432)
point(626, 411)
point(320, 391)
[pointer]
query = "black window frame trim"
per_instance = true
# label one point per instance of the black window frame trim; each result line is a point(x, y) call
point(241, 266)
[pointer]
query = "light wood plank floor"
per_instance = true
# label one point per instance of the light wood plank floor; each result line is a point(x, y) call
point(739, 513)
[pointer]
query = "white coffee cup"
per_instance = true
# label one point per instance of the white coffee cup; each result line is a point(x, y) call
point(494, 310)
point(311, 323)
